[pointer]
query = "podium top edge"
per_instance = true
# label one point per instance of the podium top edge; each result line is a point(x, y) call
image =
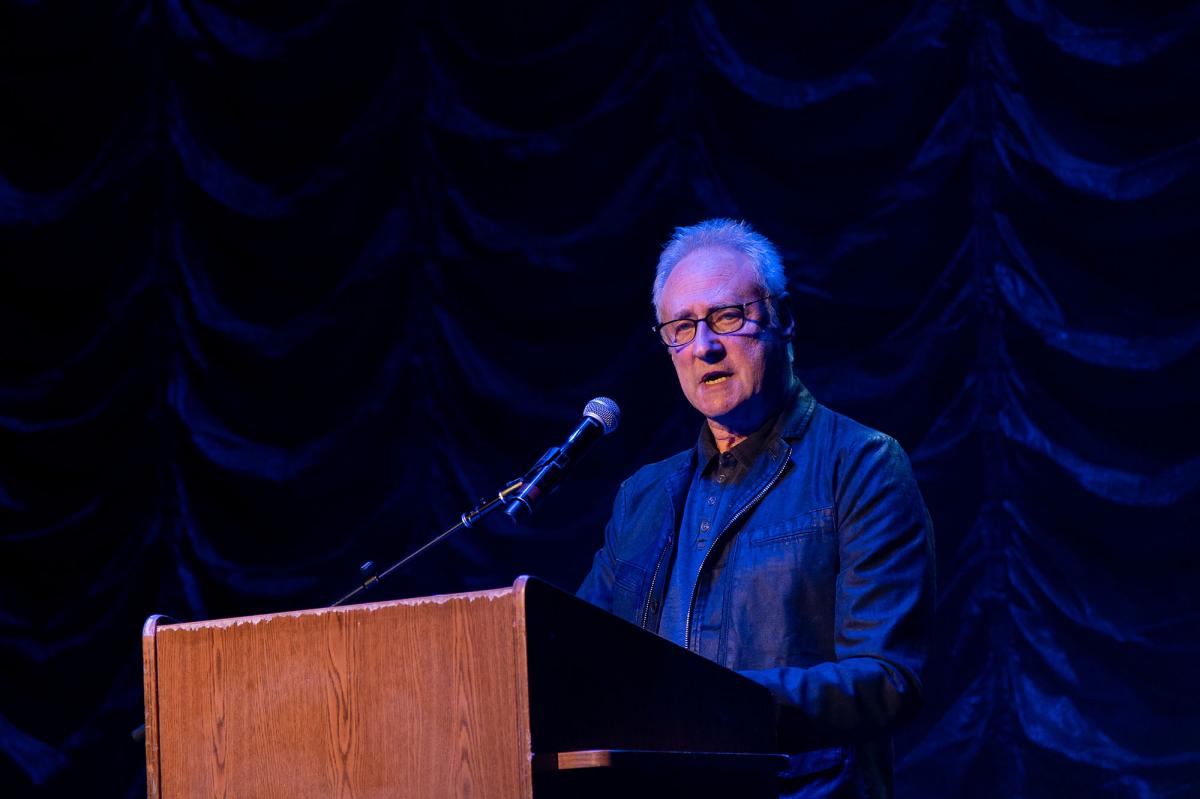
point(437, 599)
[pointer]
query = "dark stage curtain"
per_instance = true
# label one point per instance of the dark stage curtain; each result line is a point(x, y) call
point(286, 286)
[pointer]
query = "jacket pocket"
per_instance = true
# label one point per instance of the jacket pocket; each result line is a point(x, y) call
point(628, 580)
point(814, 522)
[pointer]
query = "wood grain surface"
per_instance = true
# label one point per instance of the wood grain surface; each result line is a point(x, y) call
point(414, 698)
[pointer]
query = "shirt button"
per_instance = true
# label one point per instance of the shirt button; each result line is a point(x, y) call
point(721, 477)
point(705, 526)
point(712, 500)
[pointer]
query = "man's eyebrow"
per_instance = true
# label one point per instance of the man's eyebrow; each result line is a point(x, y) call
point(708, 309)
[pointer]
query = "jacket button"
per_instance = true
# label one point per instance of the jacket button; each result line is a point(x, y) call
point(654, 606)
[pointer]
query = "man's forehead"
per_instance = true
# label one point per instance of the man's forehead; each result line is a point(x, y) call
point(710, 277)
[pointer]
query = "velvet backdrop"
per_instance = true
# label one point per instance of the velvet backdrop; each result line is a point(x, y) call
point(286, 286)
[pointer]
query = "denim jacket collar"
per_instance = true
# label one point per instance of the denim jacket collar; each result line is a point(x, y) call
point(797, 415)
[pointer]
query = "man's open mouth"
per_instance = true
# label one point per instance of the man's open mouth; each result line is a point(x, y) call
point(714, 378)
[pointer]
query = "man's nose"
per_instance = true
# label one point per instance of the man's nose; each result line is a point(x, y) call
point(707, 345)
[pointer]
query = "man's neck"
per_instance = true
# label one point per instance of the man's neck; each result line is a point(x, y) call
point(728, 435)
point(723, 437)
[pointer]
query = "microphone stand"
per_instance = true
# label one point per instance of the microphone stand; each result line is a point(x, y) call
point(372, 576)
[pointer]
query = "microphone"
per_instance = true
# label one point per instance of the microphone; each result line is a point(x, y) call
point(600, 417)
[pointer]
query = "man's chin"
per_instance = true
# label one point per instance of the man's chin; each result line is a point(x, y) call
point(713, 407)
point(742, 418)
point(726, 415)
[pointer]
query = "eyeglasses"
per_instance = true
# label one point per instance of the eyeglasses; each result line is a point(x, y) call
point(726, 319)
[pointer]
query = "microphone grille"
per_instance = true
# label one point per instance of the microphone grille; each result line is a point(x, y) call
point(604, 411)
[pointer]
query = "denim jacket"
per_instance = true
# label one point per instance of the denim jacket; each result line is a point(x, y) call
point(826, 577)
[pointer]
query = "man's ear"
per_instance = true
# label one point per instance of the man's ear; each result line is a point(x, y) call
point(783, 315)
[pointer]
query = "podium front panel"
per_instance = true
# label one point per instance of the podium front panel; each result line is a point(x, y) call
point(413, 698)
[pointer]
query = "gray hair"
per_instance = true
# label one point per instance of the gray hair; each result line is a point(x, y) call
point(730, 234)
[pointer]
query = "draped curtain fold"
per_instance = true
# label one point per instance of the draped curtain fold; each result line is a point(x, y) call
point(287, 287)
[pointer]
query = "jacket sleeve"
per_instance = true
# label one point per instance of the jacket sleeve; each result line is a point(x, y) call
point(883, 615)
point(597, 586)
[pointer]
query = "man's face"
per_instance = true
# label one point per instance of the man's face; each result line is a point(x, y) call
point(737, 379)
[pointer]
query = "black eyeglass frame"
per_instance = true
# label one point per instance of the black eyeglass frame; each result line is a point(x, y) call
point(707, 319)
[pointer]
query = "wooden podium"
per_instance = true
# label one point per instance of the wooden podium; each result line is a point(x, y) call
point(517, 692)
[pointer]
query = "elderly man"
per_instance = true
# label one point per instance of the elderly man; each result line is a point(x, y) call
point(791, 544)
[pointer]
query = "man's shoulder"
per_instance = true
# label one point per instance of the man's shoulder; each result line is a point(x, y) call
point(838, 432)
point(810, 425)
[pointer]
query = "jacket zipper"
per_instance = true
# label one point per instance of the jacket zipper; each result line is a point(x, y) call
point(687, 630)
point(654, 579)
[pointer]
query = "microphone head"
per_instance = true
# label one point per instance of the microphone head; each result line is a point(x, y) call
point(604, 411)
